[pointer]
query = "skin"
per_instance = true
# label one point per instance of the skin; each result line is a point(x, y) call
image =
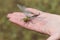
point(45, 23)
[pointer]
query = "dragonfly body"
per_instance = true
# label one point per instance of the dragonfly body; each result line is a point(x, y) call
point(28, 17)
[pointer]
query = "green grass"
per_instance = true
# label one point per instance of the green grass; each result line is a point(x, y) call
point(11, 31)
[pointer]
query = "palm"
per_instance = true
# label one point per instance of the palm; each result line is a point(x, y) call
point(17, 18)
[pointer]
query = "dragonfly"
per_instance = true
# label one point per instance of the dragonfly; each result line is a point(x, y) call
point(26, 12)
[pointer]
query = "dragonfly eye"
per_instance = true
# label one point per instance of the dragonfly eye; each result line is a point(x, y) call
point(26, 19)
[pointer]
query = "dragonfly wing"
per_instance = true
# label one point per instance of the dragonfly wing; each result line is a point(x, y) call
point(22, 8)
point(26, 12)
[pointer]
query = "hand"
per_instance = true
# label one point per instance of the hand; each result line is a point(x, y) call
point(34, 24)
point(44, 23)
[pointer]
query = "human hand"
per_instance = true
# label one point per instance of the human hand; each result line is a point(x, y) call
point(17, 17)
point(44, 23)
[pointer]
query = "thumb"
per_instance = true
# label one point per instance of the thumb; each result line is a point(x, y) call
point(35, 11)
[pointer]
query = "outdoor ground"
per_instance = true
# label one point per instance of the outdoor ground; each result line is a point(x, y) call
point(11, 31)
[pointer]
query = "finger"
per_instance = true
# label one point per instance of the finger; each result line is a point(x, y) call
point(16, 17)
point(15, 14)
point(17, 22)
point(35, 11)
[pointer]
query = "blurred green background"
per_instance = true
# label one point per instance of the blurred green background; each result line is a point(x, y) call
point(11, 31)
